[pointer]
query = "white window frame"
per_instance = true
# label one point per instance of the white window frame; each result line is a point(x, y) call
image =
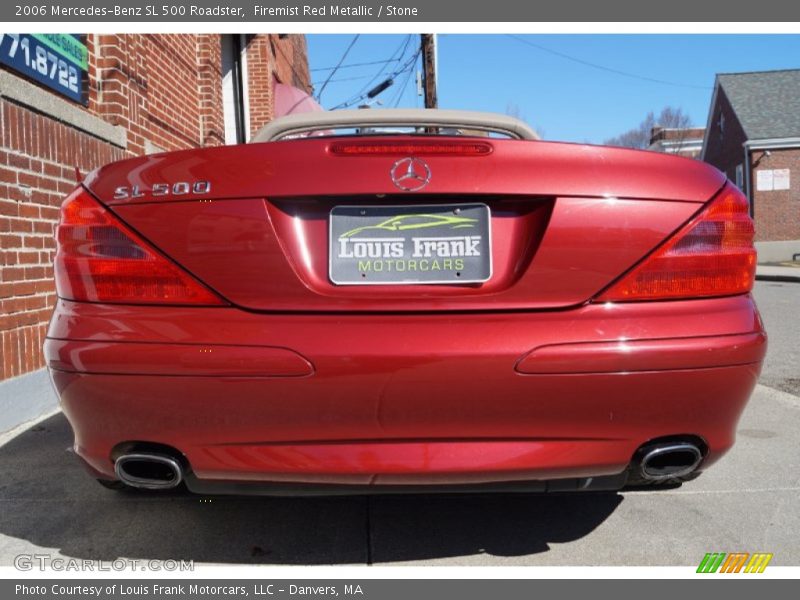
point(235, 84)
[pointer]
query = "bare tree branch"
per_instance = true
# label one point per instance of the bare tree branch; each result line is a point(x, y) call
point(639, 137)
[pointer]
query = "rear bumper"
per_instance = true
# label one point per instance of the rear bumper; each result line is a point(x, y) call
point(432, 399)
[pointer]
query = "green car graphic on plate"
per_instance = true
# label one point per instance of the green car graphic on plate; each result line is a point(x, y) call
point(415, 221)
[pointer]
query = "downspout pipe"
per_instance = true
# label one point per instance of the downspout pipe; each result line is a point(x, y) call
point(747, 168)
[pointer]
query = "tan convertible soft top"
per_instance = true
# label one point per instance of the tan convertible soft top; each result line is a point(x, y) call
point(291, 125)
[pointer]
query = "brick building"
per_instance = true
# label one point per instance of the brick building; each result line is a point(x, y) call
point(682, 141)
point(102, 98)
point(753, 135)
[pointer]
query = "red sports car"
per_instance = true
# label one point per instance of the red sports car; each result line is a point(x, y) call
point(384, 300)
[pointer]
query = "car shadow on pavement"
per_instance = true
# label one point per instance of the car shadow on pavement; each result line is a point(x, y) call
point(49, 502)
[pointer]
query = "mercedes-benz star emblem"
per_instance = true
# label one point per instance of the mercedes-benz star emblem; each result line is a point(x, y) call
point(410, 174)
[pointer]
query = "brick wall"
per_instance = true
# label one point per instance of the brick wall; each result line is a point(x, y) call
point(157, 88)
point(259, 78)
point(290, 64)
point(212, 128)
point(38, 157)
point(777, 212)
point(165, 91)
point(269, 58)
point(676, 134)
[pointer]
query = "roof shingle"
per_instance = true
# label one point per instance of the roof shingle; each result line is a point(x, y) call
point(767, 103)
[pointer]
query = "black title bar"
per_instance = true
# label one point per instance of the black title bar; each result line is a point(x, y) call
point(464, 11)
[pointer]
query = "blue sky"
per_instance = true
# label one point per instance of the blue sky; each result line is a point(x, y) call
point(564, 98)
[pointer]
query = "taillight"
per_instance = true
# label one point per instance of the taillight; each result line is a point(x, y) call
point(99, 259)
point(713, 255)
point(422, 148)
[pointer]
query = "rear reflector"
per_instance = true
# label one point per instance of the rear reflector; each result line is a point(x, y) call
point(100, 260)
point(411, 148)
point(713, 255)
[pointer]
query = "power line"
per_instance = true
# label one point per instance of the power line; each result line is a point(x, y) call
point(402, 70)
point(341, 60)
point(361, 94)
point(399, 52)
point(362, 77)
point(349, 66)
point(357, 78)
point(411, 67)
point(397, 97)
point(603, 68)
point(403, 87)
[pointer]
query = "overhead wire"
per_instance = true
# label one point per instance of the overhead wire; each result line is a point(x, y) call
point(333, 72)
point(409, 64)
point(341, 79)
point(400, 52)
point(349, 66)
point(361, 94)
point(399, 96)
point(602, 67)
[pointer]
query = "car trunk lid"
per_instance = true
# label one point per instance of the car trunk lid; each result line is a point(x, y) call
point(253, 222)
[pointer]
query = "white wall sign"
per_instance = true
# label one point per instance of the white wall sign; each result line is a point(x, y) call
point(764, 180)
point(781, 179)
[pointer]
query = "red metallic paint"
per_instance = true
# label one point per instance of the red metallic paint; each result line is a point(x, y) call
point(268, 256)
point(201, 360)
point(299, 380)
point(298, 168)
point(389, 390)
point(627, 355)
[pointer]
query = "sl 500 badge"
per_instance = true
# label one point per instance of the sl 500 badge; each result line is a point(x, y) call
point(180, 188)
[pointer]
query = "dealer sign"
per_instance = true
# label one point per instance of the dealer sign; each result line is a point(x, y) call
point(410, 244)
point(57, 60)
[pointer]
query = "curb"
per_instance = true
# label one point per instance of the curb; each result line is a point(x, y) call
point(25, 398)
point(780, 278)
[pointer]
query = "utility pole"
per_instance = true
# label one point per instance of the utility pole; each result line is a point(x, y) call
point(429, 69)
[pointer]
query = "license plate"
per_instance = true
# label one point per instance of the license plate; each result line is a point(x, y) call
point(395, 245)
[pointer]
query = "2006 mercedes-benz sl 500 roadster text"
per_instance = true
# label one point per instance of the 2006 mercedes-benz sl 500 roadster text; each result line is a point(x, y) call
point(396, 300)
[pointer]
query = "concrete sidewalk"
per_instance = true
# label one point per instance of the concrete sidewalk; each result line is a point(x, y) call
point(25, 398)
point(749, 501)
point(778, 273)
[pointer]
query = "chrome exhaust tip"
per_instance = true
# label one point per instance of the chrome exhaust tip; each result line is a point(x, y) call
point(148, 471)
point(665, 461)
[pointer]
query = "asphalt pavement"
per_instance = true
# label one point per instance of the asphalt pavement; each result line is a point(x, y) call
point(779, 304)
point(748, 502)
